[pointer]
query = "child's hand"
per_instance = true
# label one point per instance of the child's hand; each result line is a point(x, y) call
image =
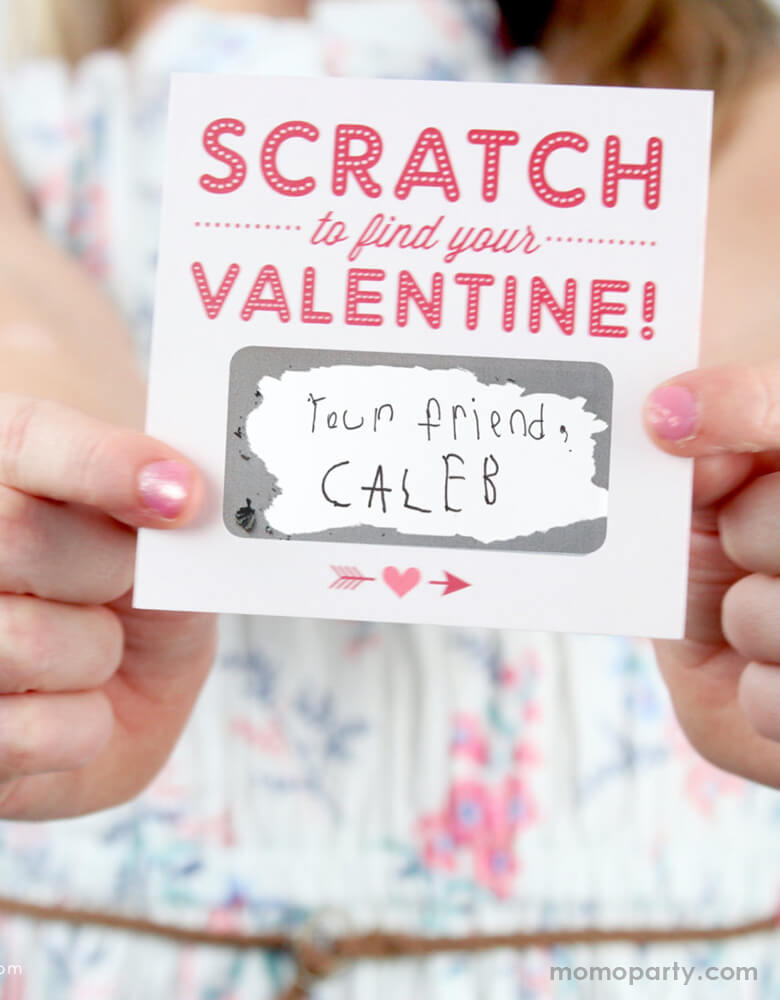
point(93, 694)
point(725, 677)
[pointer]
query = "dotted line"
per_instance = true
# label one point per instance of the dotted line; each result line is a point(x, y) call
point(593, 240)
point(246, 225)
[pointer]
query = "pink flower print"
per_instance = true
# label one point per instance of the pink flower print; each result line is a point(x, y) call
point(515, 807)
point(477, 827)
point(469, 812)
point(363, 639)
point(532, 712)
point(520, 672)
point(216, 829)
point(526, 753)
point(227, 920)
point(267, 738)
point(528, 667)
point(495, 866)
point(706, 785)
point(438, 845)
point(468, 740)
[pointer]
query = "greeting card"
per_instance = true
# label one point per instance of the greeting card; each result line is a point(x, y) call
point(406, 330)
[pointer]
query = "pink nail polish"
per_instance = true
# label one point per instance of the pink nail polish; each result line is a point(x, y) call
point(672, 412)
point(165, 488)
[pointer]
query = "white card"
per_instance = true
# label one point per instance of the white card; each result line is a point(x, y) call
point(406, 330)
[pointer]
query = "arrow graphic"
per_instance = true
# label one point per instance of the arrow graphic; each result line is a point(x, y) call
point(451, 585)
point(349, 578)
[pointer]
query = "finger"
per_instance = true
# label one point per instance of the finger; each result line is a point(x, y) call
point(40, 733)
point(750, 526)
point(56, 647)
point(759, 696)
point(709, 411)
point(54, 451)
point(62, 552)
point(716, 476)
point(710, 576)
point(706, 697)
point(751, 618)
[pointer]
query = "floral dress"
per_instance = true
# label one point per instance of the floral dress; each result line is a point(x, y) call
point(404, 778)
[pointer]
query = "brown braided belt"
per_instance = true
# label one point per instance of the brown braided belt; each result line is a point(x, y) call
point(317, 958)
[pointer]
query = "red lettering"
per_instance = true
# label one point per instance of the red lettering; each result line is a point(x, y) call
point(279, 183)
point(492, 140)
point(599, 308)
point(237, 164)
point(308, 312)
point(430, 141)
point(563, 315)
point(538, 163)
point(213, 303)
point(344, 163)
point(510, 303)
point(255, 301)
point(474, 283)
point(649, 172)
point(357, 295)
point(430, 308)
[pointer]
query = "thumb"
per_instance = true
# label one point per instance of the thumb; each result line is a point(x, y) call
point(53, 451)
point(711, 411)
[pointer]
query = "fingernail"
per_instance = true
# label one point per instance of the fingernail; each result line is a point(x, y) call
point(165, 488)
point(672, 412)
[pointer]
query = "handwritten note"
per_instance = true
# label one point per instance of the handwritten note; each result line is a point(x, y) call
point(422, 449)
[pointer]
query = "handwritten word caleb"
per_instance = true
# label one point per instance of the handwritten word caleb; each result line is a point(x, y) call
point(350, 167)
point(488, 471)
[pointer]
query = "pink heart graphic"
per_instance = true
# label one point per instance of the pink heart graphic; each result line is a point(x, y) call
point(401, 583)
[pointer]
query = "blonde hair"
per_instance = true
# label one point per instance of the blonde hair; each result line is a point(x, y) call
point(708, 44)
point(68, 29)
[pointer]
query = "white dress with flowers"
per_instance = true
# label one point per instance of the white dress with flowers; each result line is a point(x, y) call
point(430, 780)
